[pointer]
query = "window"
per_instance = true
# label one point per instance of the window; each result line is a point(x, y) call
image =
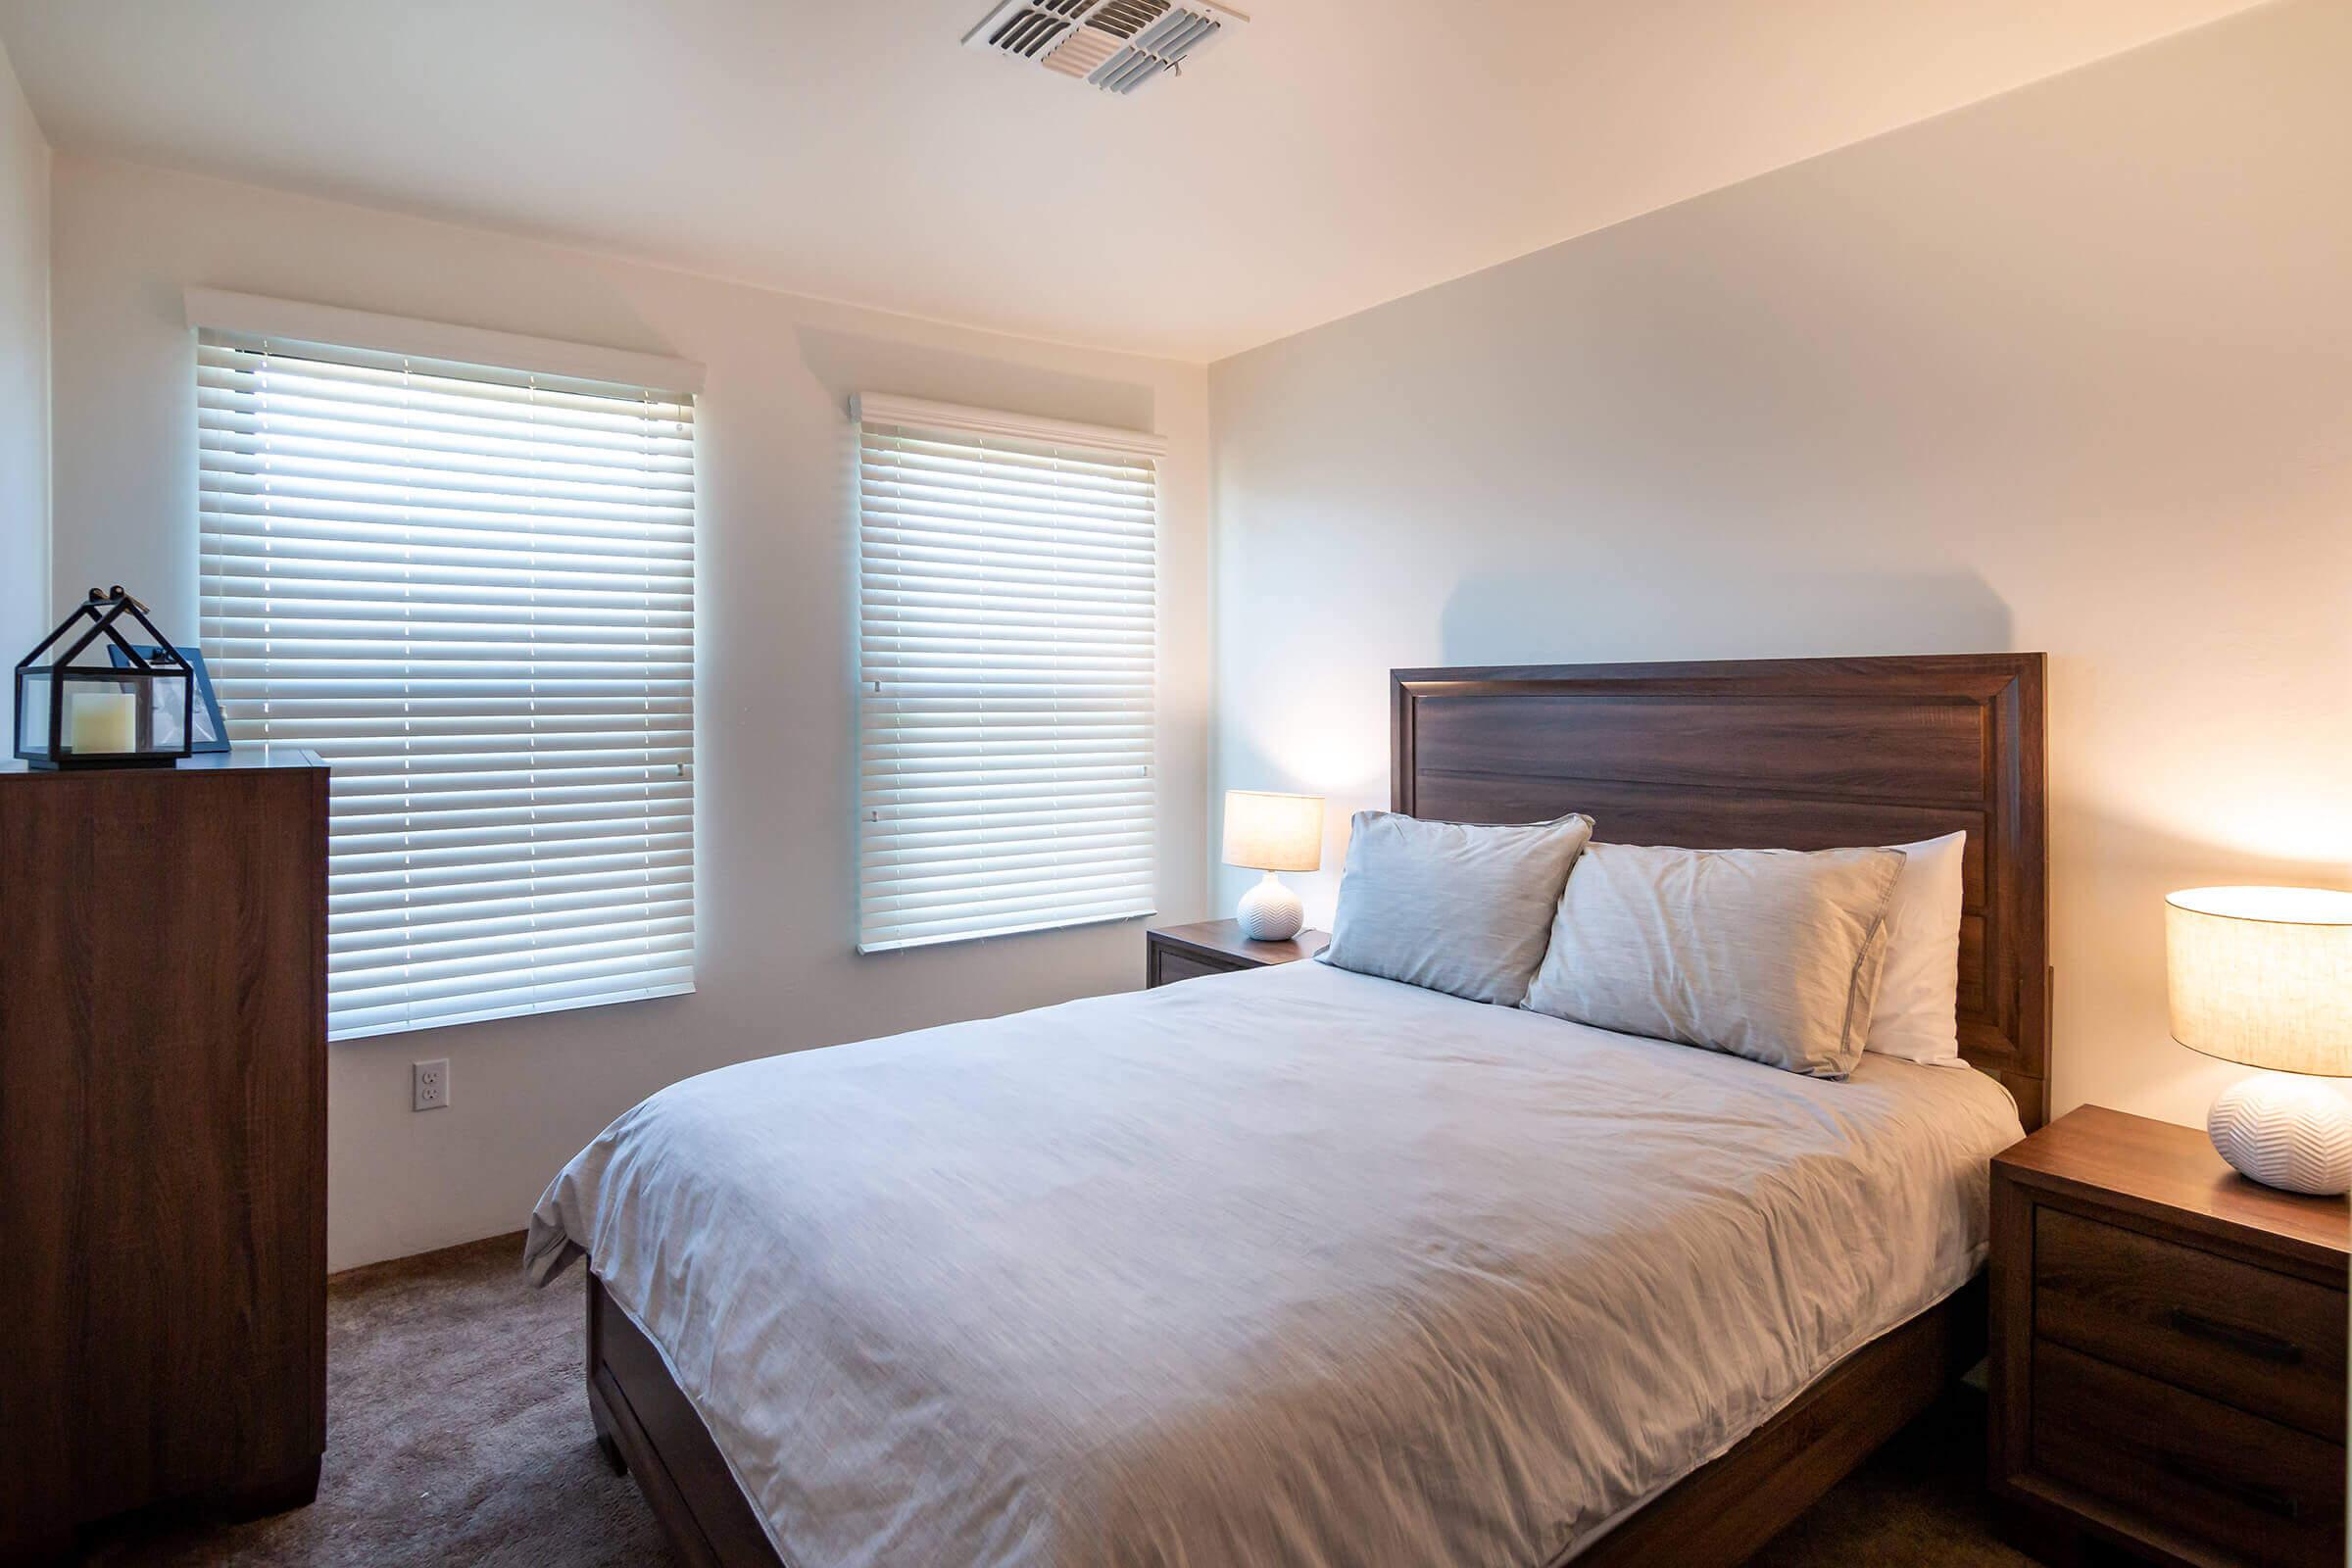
point(472, 591)
point(1005, 652)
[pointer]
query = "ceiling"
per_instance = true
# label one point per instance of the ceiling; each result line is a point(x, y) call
point(1327, 155)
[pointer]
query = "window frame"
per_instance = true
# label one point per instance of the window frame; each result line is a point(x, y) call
point(561, 945)
point(1015, 438)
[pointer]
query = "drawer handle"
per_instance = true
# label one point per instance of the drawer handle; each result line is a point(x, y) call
point(2269, 1499)
point(2249, 1342)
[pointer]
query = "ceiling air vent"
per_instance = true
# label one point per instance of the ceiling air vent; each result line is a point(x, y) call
point(1118, 45)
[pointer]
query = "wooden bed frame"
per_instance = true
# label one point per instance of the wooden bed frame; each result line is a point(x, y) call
point(1800, 754)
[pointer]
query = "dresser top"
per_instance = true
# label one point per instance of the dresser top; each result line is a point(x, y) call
point(2165, 1171)
point(240, 760)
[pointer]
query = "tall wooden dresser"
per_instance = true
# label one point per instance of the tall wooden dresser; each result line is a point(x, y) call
point(162, 1141)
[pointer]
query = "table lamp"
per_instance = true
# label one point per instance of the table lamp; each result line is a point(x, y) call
point(2264, 976)
point(1273, 834)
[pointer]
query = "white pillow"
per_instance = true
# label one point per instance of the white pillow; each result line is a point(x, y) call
point(1773, 955)
point(1464, 907)
point(1916, 1016)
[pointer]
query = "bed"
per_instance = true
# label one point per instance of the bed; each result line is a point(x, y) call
point(1301, 1265)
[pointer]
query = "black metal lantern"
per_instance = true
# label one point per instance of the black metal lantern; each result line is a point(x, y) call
point(130, 711)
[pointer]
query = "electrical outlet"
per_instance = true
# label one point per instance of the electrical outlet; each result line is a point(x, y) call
point(430, 1080)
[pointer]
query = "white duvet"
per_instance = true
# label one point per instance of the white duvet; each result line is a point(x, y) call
point(1294, 1266)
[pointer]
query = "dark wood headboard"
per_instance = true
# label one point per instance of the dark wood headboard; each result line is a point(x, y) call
point(1800, 754)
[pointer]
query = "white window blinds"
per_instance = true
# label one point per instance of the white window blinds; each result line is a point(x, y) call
point(1005, 636)
point(472, 591)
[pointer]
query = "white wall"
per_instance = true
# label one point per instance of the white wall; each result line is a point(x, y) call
point(24, 384)
point(774, 823)
point(2069, 370)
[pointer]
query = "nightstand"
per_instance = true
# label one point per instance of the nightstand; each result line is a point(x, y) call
point(2168, 1349)
point(1176, 952)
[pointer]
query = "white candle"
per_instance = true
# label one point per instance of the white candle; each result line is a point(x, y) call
point(101, 721)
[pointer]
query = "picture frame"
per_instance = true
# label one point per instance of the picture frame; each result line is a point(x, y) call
point(210, 730)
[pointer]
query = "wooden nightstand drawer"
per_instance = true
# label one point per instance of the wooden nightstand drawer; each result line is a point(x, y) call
point(1217, 946)
point(1169, 965)
point(2258, 1491)
point(2264, 1342)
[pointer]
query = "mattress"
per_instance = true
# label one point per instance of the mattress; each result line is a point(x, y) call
point(1293, 1265)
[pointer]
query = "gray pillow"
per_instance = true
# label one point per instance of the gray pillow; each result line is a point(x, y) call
point(1463, 908)
point(1773, 955)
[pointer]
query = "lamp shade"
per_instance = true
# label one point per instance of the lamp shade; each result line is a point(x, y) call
point(1273, 832)
point(2263, 976)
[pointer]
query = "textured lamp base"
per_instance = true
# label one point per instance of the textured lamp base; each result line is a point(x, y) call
point(2284, 1131)
point(1270, 912)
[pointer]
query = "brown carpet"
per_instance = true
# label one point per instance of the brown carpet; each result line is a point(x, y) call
point(456, 1432)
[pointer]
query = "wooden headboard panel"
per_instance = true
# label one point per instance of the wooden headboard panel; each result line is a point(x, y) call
point(1800, 754)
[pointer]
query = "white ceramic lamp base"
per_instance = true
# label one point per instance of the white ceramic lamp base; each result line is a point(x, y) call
point(1270, 912)
point(2285, 1131)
